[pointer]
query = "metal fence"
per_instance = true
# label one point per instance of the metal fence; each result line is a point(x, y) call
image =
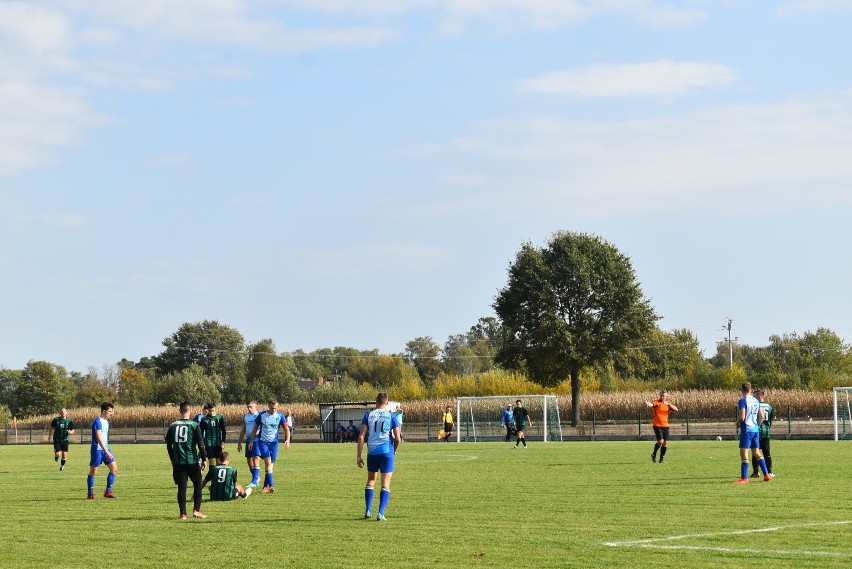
point(785, 426)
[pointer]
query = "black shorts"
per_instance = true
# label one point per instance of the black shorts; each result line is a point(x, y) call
point(214, 452)
point(61, 446)
point(661, 433)
point(448, 427)
point(184, 472)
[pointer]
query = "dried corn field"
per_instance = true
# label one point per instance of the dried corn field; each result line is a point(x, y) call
point(621, 406)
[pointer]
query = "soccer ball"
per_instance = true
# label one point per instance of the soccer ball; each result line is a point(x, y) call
point(719, 438)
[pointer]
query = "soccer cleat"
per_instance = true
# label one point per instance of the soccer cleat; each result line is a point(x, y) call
point(61, 468)
point(381, 518)
point(755, 474)
point(90, 497)
point(183, 516)
point(198, 514)
point(368, 514)
point(55, 459)
point(653, 457)
point(516, 446)
point(268, 489)
point(768, 477)
point(109, 494)
point(741, 481)
point(662, 460)
point(247, 493)
point(251, 485)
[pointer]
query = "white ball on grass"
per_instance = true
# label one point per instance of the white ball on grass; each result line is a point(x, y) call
point(718, 438)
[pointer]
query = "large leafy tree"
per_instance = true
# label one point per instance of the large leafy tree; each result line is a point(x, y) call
point(218, 349)
point(570, 304)
point(43, 388)
point(423, 353)
point(270, 374)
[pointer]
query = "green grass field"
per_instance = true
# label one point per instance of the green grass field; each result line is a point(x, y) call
point(585, 504)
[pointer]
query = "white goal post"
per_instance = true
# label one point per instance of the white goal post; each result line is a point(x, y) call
point(478, 418)
point(842, 413)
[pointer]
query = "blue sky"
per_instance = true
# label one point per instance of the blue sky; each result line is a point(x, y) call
point(361, 173)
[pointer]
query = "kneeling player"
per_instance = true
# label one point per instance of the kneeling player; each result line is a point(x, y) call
point(223, 481)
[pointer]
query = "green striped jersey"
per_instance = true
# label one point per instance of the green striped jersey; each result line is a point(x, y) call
point(183, 441)
point(213, 430)
point(223, 478)
point(60, 429)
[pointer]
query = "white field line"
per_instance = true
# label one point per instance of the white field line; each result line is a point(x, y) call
point(656, 542)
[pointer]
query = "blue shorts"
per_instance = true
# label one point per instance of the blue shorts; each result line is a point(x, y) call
point(268, 449)
point(380, 463)
point(749, 439)
point(99, 457)
point(255, 451)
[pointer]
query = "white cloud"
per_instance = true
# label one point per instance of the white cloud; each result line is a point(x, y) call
point(36, 117)
point(223, 23)
point(520, 13)
point(814, 7)
point(787, 156)
point(654, 79)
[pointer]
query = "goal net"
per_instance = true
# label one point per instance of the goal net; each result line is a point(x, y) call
point(478, 418)
point(842, 413)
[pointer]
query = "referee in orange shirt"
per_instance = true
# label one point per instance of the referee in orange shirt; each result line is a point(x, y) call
point(661, 407)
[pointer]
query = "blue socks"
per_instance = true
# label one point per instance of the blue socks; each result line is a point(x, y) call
point(762, 463)
point(255, 475)
point(110, 480)
point(267, 479)
point(368, 497)
point(744, 469)
point(90, 480)
point(384, 496)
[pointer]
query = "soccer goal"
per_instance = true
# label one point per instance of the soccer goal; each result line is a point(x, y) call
point(842, 413)
point(478, 418)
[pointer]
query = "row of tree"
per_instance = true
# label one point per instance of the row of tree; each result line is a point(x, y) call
point(570, 310)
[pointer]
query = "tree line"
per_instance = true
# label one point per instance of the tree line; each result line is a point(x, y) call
point(570, 317)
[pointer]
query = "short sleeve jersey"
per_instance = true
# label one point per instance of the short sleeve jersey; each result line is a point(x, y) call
point(212, 428)
point(270, 423)
point(60, 428)
point(447, 418)
point(751, 406)
point(102, 425)
point(380, 423)
point(182, 442)
point(249, 419)
point(223, 478)
point(522, 417)
point(768, 417)
point(661, 413)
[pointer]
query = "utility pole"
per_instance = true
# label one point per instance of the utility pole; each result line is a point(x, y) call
point(730, 343)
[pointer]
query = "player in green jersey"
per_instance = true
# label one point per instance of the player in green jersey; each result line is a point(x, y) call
point(214, 433)
point(62, 426)
point(768, 417)
point(522, 420)
point(223, 481)
point(186, 451)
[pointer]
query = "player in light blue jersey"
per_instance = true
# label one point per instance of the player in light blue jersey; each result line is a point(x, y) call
point(101, 453)
point(252, 456)
point(380, 429)
point(749, 418)
point(266, 429)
